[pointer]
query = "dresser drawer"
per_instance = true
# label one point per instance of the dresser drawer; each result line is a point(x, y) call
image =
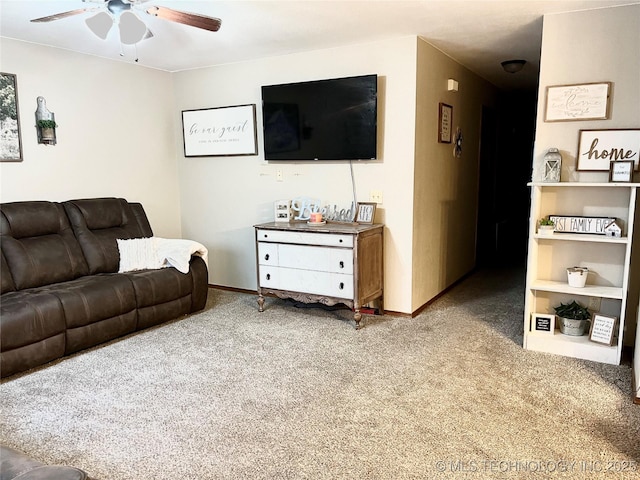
point(267, 253)
point(320, 259)
point(307, 281)
point(268, 276)
point(305, 238)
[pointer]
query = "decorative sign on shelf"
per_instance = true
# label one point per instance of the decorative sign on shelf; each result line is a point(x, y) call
point(602, 329)
point(598, 148)
point(543, 323)
point(592, 225)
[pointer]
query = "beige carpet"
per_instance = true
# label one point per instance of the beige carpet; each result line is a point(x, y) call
point(291, 393)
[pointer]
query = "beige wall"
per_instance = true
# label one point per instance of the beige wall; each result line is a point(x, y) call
point(217, 200)
point(446, 188)
point(222, 198)
point(115, 134)
point(581, 47)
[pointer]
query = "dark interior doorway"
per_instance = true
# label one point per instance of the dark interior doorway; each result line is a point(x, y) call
point(506, 151)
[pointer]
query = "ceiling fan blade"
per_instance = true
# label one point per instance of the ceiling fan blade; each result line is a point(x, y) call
point(58, 16)
point(192, 19)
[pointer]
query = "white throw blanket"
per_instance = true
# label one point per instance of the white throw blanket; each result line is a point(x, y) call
point(156, 252)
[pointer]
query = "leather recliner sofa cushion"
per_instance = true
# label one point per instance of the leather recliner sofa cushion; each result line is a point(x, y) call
point(39, 245)
point(33, 330)
point(98, 223)
point(97, 308)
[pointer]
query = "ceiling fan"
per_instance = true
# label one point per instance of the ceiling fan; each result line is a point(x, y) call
point(124, 14)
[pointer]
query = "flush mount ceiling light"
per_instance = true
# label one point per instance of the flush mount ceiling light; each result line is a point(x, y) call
point(513, 66)
point(126, 15)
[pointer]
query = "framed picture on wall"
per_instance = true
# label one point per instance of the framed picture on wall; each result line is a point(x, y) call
point(445, 120)
point(220, 132)
point(586, 101)
point(11, 144)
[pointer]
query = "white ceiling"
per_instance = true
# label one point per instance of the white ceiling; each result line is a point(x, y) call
point(477, 33)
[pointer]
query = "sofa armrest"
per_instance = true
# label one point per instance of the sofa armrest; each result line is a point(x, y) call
point(16, 465)
point(200, 278)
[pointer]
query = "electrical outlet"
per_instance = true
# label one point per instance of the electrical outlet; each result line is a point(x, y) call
point(376, 196)
point(279, 175)
point(594, 303)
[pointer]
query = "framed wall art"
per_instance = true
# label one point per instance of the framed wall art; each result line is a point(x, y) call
point(587, 101)
point(598, 148)
point(445, 120)
point(220, 132)
point(11, 143)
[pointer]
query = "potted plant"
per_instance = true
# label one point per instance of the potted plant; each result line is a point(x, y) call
point(573, 318)
point(546, 226)
point(47, 129)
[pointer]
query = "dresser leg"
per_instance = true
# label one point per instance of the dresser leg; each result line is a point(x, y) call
point(260, 303)
point(357, 316)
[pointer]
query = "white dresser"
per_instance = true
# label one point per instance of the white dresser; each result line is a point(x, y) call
point(328, 264)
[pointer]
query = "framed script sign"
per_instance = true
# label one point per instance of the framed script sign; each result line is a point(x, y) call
point(587, 101)
point(220, 132)
point(598, 148)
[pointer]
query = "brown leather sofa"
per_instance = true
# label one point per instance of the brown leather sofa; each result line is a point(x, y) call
point(61, 292)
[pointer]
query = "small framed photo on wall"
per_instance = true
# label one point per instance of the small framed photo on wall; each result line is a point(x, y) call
point(543, 323)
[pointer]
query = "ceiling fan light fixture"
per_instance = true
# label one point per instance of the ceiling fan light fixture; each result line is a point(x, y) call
point(100, 24)
point(132, 29)
point(513, 66)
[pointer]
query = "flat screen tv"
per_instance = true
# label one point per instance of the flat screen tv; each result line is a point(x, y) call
point(331, 119)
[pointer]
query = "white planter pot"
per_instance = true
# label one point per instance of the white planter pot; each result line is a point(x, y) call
point(545, 230)
point(577, 276)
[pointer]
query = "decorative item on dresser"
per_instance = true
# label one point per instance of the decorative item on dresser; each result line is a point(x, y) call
point(328, 264)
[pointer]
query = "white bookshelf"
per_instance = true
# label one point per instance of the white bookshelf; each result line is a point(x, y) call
point(611, 288)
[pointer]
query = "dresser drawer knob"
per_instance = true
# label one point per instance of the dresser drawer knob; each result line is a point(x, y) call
point(266, 257)
point(266, 236)
point(341, 286)
point(268, 276)
point(340, 241)
point(341, 264)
